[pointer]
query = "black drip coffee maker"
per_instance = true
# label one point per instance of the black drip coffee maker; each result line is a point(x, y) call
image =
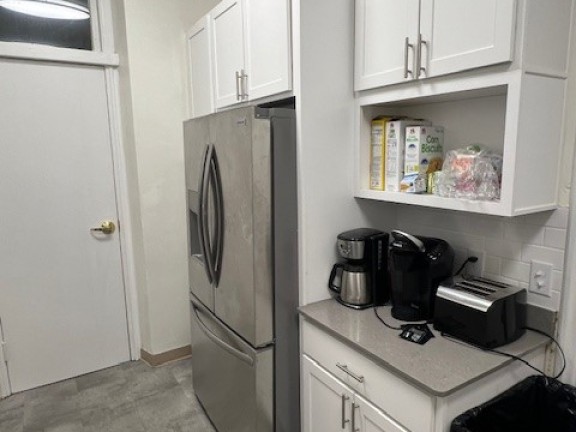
point(360, 281)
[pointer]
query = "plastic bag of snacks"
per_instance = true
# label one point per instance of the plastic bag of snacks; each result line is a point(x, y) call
point(473, 172)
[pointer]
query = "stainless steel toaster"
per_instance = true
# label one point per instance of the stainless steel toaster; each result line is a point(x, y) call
point(480, 311)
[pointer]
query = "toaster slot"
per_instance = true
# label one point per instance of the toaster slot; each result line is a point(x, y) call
point(491, 282)
point(470, 288)
point(477, 286)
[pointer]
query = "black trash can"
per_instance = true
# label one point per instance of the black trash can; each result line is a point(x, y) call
point(536, 404)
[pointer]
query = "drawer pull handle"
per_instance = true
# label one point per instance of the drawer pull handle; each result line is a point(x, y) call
point(344, 368)
point(421, 43)
point(407, 45)
point(344, 421)
point(354, 428)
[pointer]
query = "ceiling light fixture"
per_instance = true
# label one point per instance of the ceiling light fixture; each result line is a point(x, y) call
point(54, 9)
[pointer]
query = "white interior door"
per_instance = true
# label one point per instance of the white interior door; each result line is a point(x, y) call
point(62, 301)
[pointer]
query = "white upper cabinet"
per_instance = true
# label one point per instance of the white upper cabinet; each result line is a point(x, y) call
point(402, 40)
point(199, 55)
point(227, 20)
point(268, 59)
point(492, 72)
point(386, 34)
point(465, 34)
point(250, 49)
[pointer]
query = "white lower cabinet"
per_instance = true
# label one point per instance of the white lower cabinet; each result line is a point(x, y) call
point(329, 405)
point(344, 390)
point(327, 401)
point(368, 418)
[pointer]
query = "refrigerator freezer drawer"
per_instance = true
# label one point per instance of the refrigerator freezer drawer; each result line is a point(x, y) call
point(233, 381)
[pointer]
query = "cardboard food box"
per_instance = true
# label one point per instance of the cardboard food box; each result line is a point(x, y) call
point(377, 153)
point(395, 150)
point(424, 150)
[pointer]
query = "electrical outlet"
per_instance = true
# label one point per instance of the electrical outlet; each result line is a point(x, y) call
point(540, 278)
point(477, 268)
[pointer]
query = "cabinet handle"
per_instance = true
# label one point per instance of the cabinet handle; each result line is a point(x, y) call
point(344, 368)
point(238, 85)
point(244, 85)
point(421, 43)
point(407, 45)
point(354, 428)
point(344, 421)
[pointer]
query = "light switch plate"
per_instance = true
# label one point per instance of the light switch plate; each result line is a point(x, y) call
point(540, 278)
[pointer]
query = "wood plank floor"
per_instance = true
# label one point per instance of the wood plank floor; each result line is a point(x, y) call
point(132, 397)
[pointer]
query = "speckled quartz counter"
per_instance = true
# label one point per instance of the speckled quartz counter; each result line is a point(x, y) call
point(440, 367)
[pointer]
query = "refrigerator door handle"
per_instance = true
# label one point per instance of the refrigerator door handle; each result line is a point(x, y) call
point(235, 352)
point(219, 216)
point(203, 233)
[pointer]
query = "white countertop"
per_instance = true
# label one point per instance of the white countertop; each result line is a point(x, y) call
point(441, 366)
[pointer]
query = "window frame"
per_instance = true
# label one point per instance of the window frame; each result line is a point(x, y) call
point(102, 53)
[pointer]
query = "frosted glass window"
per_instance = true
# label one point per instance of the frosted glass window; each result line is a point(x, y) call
point(64, 33)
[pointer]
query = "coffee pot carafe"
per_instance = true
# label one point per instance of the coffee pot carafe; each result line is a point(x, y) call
point(360, 281)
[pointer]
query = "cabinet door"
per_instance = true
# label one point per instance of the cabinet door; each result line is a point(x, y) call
point(268, 59)
point(228, 49)
point(367, 418)
point(386, 33)
point(465, 34)
point(326, 401)
point(200, 68)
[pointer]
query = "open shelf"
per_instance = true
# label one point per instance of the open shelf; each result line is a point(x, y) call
point(427, 200)
point(514, 114)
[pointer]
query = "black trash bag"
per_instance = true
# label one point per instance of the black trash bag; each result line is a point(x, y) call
point(536, 404)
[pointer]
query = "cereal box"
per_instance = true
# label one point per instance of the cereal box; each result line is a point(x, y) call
point(395, 149)
point(377, 151)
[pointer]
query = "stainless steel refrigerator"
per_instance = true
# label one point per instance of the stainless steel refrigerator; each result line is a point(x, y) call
point(242, 201)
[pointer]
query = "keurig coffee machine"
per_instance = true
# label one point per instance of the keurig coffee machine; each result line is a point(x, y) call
point(361, 280)
point(417, 266)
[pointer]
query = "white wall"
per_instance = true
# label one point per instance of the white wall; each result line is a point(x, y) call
point(153, 74)
point(323, 79)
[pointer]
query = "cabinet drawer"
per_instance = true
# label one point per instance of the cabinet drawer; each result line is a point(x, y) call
point(388, 392)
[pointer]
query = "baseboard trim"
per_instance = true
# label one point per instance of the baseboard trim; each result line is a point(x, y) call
point(165, 357)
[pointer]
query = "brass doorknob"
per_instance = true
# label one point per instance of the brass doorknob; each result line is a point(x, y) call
point(107, 227)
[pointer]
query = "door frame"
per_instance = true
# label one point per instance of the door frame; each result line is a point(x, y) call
point(109, 61)
point(5, 388)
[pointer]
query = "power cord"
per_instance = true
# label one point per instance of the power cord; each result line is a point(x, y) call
point(471, 259)
point(514, 357)
point(384, 322)
point(402, 327)
point(559, 349)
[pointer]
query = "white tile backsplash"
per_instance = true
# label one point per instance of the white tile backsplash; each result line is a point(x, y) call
point(524, 233)
point(555, 238)
point(509, 244)
point(492, 265)
point(515, 270)
point(504, 249)
point(543, 254)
